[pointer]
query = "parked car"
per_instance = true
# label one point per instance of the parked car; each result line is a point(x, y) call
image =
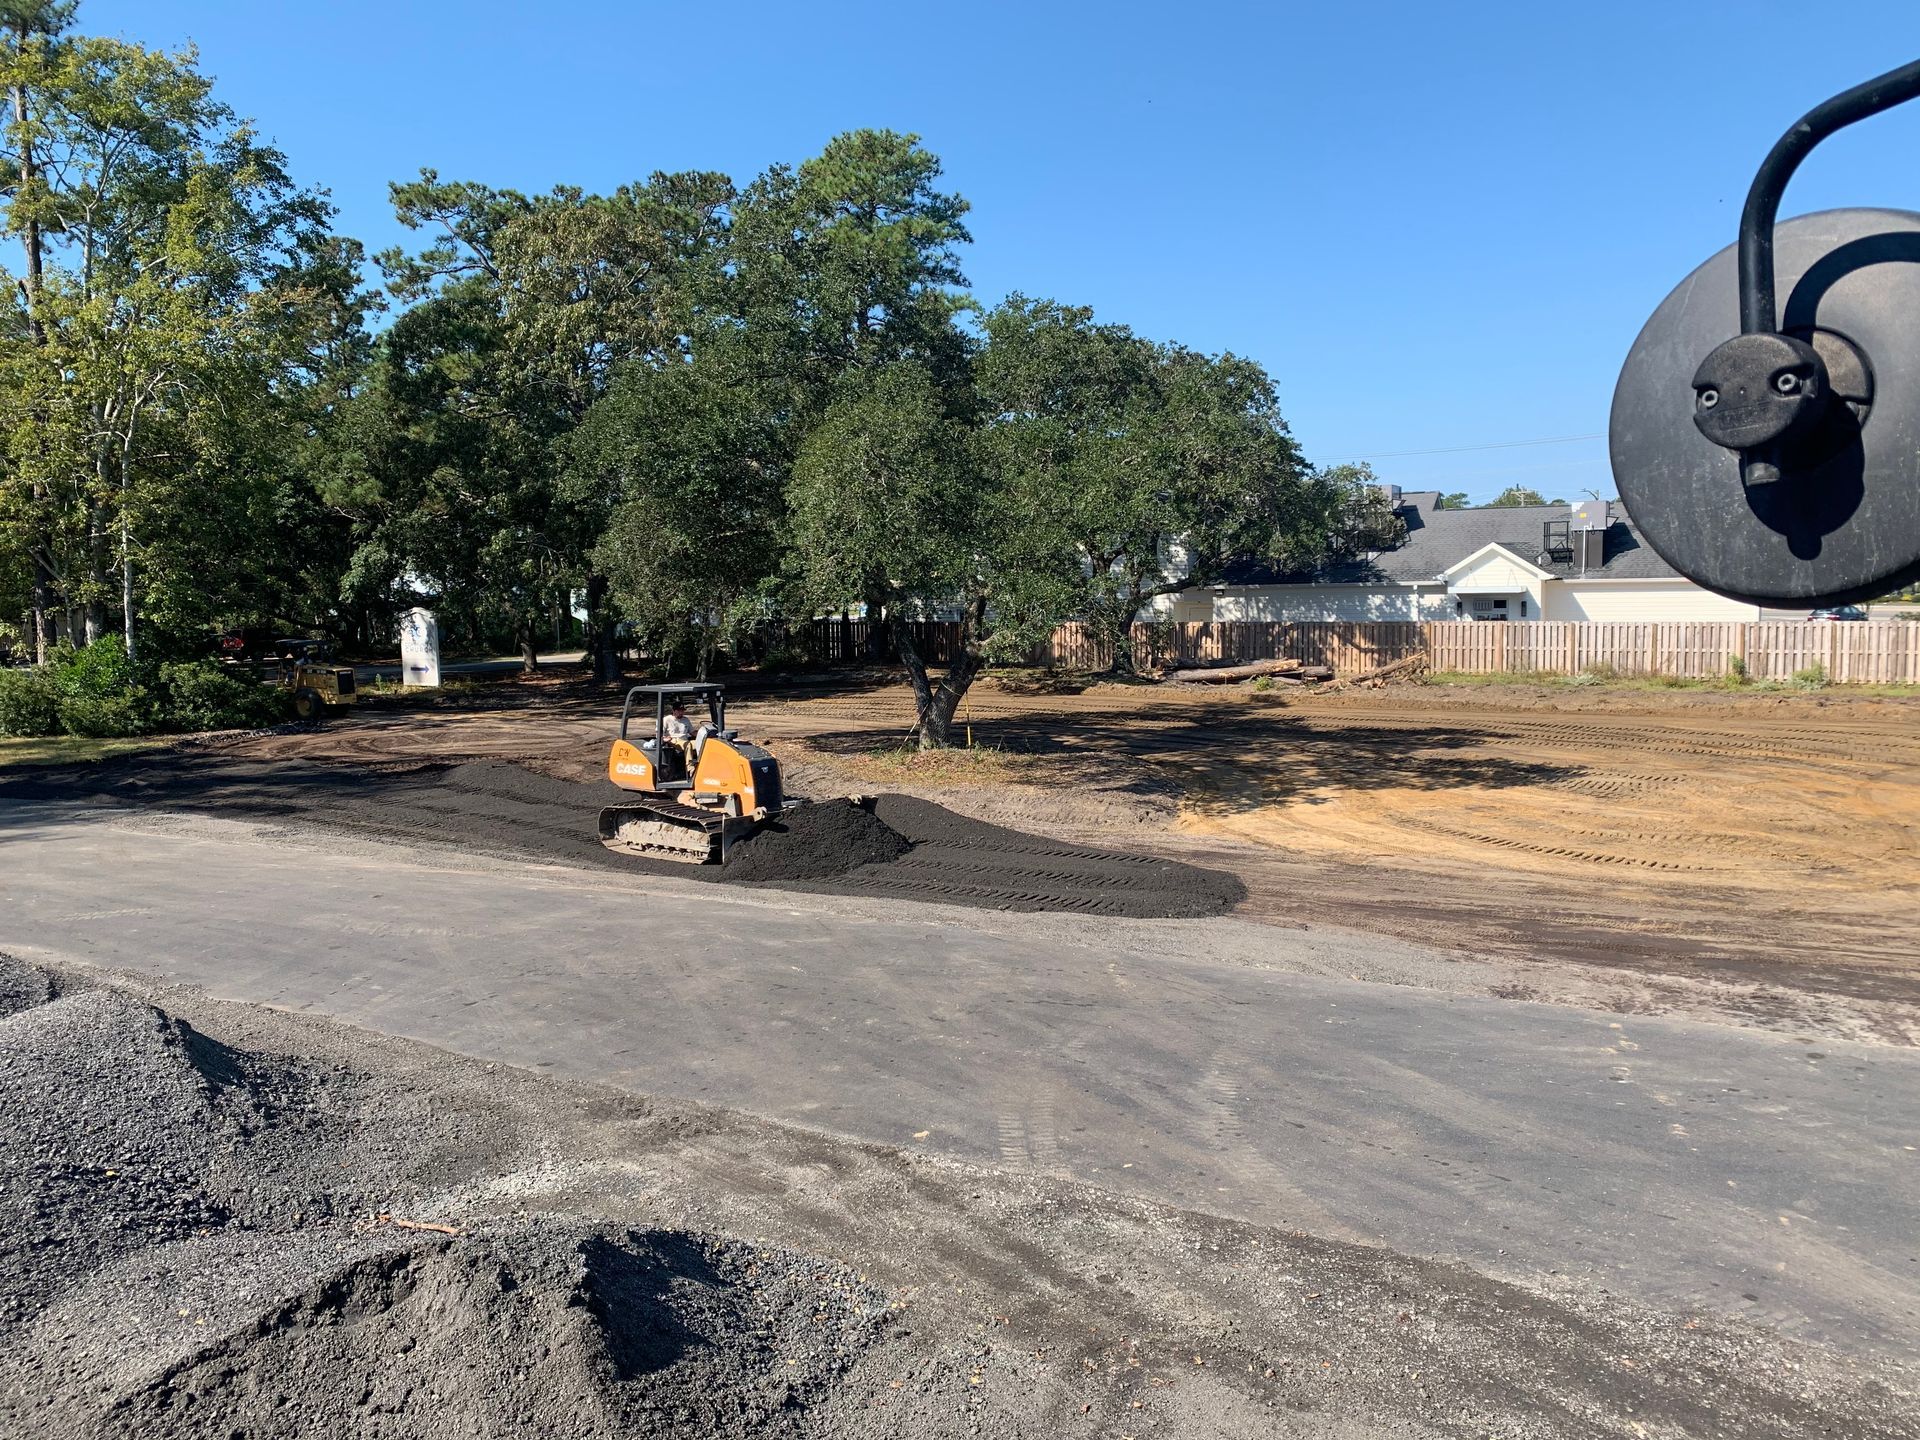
point(1839, 612)
point(249, 642)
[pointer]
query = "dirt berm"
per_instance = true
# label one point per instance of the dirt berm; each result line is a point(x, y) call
point(903, 848)
point(225, 1221)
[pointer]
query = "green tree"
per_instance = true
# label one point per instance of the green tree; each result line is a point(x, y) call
point(1452, 500)
point(890, 499)
point(1162, 466)
point(697, 453)
point(1517, 495)
point(519, 311)
point(172, 281)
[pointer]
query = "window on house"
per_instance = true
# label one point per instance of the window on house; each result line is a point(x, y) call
point(1489, 607)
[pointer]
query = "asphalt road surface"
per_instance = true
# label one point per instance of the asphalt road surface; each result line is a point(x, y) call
point(1686, 1164)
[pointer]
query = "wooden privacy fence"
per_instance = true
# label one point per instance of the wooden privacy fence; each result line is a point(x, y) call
point(1871, 653)
point(1877, 652)
point(1347, 647)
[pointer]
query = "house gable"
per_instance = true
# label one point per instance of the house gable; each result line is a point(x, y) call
point(1494, 569)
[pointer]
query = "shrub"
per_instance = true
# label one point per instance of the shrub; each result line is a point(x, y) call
point(97, 671)
point(98, 693)
point(1814, 677)
point(106, 717)
point(1263, 682)
point(29, 703)
point(200, 695)
point(1737, 671)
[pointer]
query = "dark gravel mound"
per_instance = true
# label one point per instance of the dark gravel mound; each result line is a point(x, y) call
point(22, 987)
point(499, 808)
point(122, 1128)
point(538, 1329)
point(815, 841)
point(188, 1248)
point(959, 861)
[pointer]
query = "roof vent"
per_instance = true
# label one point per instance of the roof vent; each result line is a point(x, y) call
point(1589, 515)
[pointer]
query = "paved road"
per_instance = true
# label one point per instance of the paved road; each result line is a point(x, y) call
point(1683, 1163)
point(503, 665)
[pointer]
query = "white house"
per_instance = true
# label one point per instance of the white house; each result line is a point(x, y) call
point(1534, 562)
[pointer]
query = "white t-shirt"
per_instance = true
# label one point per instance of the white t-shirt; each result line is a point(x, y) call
point(679, 727)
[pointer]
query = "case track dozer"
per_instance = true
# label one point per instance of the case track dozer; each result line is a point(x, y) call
point(694, 796)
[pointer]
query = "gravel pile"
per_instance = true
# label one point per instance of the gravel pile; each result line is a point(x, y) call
point(815, 841)
point(124, 1128)
point(902, 848)
point(591, 1277)
point(195, 1240)
point(539, 1329)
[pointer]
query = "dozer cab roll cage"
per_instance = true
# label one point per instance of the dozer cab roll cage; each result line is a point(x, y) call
point(714, 697)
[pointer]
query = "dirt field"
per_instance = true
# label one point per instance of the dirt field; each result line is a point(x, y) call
point(1748, 857)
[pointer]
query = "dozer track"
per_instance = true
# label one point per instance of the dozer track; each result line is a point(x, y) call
point(668, 830)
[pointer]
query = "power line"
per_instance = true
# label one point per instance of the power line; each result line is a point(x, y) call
point(1463, 449)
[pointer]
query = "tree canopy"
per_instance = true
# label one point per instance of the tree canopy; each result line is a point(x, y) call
point(695, 411)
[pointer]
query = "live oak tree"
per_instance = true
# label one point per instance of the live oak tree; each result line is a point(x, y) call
point(892, 497)
point(849, 260)
point(1162, 466)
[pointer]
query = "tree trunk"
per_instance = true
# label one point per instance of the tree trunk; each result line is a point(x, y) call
point(43, 586)
point(936, 719)
point(529, 656)
point(43, 609)
point(936, 705)
point(602, 659)
point(916, 665)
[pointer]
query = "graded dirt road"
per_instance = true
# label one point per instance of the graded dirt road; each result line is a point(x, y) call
point(1186, 1061)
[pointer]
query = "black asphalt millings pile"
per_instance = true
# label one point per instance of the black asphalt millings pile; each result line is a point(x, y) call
point(121, 1127)
point(960, 861)
point(543, 1328)
point(815, 841)
point(188, 1247)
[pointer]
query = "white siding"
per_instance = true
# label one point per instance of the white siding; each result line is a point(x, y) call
point(1640, 600)
point(1496, 573)
point(1331, 602)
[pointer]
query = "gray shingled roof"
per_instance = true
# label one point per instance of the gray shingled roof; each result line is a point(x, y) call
point(1439, 539)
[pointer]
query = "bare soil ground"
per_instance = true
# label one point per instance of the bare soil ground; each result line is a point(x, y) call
point(1745, 857)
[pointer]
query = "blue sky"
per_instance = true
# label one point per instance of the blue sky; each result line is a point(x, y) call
point(1437, 226)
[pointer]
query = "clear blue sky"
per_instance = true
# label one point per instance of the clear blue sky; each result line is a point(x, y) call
point(1437, 226)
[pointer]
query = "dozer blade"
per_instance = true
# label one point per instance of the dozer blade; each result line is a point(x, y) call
point(665, 830)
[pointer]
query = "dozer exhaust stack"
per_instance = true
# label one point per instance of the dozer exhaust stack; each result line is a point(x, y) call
point(667, 830)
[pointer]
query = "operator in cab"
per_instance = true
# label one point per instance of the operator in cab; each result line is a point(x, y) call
point(676, 735)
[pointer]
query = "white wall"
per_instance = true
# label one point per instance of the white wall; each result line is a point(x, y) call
point(1332, 602)
point(1640, 600)
point(1497, 573)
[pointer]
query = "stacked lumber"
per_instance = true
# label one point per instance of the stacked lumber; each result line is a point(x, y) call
point(1291, 672)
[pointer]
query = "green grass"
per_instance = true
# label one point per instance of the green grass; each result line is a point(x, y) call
point(69, 749)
